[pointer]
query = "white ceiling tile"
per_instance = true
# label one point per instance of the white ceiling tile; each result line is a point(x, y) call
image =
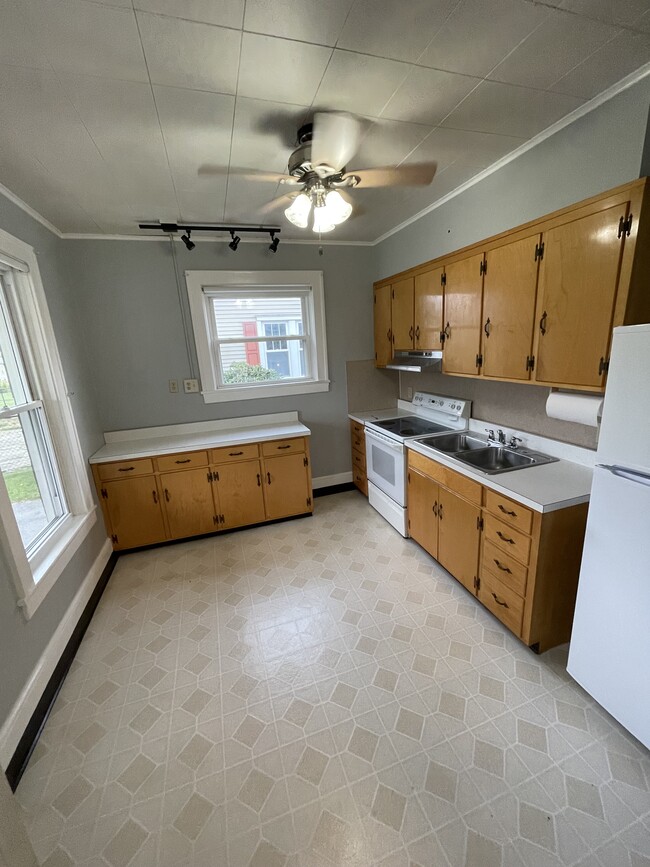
point(264, 134)
point(509, 110)
point(480, 33)
point(22, 43)
point(359, 83)
point(197, 128)
point(562, 41)
point(124, 4)
point(91, 39)
point(203, 206)
point(225, 13)
point(246, 197)
point(187, 54)
point(476, 149)
point(388, 143)
point(388, 29)
point(307, 20)
point(428, 95)
point(605, 67)
point(626, 12)
point(292, 70)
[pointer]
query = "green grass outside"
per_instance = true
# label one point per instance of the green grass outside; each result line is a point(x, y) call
point(21, 485)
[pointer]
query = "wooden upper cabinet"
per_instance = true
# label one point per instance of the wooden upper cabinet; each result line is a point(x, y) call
point(428, 309)
point(509, 291)
point(134, 513)
point(577, 292)
point(187, 500)
point(402, 314)
point(383, 334)
point(239, 493)
point(463, 293)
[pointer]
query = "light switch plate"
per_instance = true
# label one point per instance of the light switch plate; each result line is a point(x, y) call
point(173, 386)
point(190, 385)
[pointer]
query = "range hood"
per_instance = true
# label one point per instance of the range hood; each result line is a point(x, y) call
point(416, 360)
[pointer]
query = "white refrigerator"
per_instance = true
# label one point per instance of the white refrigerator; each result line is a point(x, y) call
point(609, 653)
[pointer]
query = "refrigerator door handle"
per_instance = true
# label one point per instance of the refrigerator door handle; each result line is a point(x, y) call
point(630, 475)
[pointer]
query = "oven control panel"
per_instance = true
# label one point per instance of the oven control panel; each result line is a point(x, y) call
point(451, 405)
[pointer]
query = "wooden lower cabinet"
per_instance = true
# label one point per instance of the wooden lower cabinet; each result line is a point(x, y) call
point(359, 469)
point(523, 565)
point(245, 487)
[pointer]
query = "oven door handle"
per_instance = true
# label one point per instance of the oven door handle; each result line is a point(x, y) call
point(386, 442)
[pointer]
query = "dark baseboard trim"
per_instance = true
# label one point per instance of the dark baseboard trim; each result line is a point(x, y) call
point(17, 765)
point(334, 489)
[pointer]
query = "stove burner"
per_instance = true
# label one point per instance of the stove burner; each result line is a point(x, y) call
point(410, 426)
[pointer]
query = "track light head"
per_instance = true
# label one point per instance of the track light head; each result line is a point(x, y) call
point(235, 240)
point(186, 240)
point(275, 243)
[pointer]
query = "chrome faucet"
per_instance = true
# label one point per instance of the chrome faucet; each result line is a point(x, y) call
point(514, 443)
point(490, 433)
point(502, 437)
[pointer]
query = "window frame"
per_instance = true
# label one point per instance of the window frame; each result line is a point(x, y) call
point(34, 577)
point(212, 389)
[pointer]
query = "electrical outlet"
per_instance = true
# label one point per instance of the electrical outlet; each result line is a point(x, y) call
point(173, 386)
point(190, 385)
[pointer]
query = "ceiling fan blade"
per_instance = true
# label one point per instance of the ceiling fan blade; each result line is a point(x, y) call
point(281, 201)
point(336, 138)
point(414, 175)
point(246, 174)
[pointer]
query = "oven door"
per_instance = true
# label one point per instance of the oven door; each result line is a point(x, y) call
point(385, 465)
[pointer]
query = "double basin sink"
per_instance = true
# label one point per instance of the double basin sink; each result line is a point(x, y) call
point(479, 453)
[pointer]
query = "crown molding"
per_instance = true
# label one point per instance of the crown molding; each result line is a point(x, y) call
point(16, 200)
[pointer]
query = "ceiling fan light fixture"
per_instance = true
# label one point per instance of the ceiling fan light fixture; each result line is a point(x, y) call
point(298, 211)
point(338, 210)
point(322, 220)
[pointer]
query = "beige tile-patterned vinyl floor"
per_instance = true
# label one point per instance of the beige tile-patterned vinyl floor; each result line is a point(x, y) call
point(320, 692)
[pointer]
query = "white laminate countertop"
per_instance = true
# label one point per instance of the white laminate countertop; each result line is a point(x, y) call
point(165, 441)
point(378, 414)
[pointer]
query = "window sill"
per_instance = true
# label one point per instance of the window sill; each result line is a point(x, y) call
point(253, 392)
point(48, 572)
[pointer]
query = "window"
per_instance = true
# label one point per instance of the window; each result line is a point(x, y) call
point(258, 333)
point(45, 504)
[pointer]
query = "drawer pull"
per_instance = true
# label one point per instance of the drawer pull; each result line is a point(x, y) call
point(505, 538)
point(166, 494)
point(506, 512)
point(155, 497)
point(259, 481)
point(234, 454)
point(503, 568)
point(499, 602)
point(288, 446)
point(125, 469)
point(186, 461)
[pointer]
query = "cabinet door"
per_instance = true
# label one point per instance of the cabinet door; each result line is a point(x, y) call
point(383, 334)
point(458, 537)
point(402, 314)
point(578, 283)
point(287, 489)
point(134, 512)
point(463, 291)
point(239, 493)
point(428, 309)
point(188, 502)
point(423, 511)
point(509, 290)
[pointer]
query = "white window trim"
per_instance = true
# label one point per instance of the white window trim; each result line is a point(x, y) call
point(32, 584)
point(212, 393)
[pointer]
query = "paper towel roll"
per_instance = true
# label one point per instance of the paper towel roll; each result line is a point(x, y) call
point(579, 408)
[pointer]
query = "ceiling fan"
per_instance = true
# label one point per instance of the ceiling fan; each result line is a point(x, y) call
point(318, 167)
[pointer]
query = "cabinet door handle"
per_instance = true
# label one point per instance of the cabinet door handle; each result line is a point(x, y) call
point(440, 511)
point(505, 538)
point(268, 478)
point(186, 461)
point(447, 332)
point(388, 335)
point(125, 469)
point(287, 446)
point(155, 497)
point(434, 508)
point(411, 332)
point(259, 481)
point(417, 332)
point(506, 512)
point(234, 454)
point(542, 322)
point(499, 602)
point(166, 494)
point(486, 327)
point(502, 567)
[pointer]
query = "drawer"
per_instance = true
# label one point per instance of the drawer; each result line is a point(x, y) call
point(359, 441)
point(503, 602)
point(506, 538)
point(228, 454)
point(283, 447)
point(449, 479)
point(359, 461)
point(125, 469)
point(504, 567)
point(509, 511)
point(357, 429)
point(183, 461)
point(360, 480)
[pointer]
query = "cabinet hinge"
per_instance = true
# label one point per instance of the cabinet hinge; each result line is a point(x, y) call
point(603, 367)
point(477, 583)
point(443, 279)
point(479, 360)
point(210, 477)
point(215, 519)
point(222, 519)
point(305, 461)
point(392, 294)
point(482, 269)
point(530, 362)
point(539, 251)
point(309, 501)
point(114, 539)
point(105, 493)
point(443, 337)
point(479, 523)
point(625, 226)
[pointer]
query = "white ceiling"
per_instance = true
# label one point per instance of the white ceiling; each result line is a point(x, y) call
point(108, 109)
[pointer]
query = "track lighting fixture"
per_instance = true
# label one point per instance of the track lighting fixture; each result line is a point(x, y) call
point(235, 240)
point(275, 243)
point(186, 240)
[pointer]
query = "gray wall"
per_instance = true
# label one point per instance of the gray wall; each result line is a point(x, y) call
point(127, 299)
point(23, 642)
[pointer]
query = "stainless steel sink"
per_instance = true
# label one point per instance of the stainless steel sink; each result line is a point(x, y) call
point(496, 459)
point(453, 443)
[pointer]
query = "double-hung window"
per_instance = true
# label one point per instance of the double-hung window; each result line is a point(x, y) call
point(45, 504)
point(258, 333)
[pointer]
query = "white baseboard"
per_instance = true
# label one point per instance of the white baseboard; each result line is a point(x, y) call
point(328, 481)
point(14, 726)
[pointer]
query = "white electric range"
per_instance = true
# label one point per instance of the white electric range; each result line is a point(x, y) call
point(386, 450)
